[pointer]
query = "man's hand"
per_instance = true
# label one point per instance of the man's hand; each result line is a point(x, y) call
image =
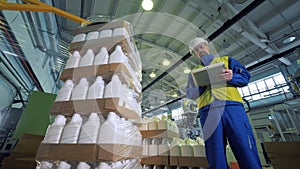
point(226, 74)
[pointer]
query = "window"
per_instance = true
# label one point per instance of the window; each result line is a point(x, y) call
point(246, 91)
point(261, 86)
point(270, 83)
point(266, 87)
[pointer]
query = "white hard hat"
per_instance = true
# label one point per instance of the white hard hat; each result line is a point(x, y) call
point(196, 41)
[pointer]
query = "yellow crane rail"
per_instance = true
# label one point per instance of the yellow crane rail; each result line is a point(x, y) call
point(37, 6)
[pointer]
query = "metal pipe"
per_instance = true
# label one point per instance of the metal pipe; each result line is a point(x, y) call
point(37, 6)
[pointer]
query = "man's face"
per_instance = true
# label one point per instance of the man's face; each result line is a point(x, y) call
point(201, 50)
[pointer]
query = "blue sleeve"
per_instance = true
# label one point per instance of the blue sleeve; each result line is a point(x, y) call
point(241, 76)
point(193, 91)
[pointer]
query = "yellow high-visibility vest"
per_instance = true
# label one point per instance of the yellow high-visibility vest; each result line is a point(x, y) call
point(220, 91)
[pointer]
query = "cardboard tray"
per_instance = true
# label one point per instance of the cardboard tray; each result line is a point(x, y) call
point(159, 134)
point(188, 161)
point(155, 160)
point(88, 152)
point(104, 105)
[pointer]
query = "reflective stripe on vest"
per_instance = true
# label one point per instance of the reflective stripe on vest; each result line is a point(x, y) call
point(220, 92)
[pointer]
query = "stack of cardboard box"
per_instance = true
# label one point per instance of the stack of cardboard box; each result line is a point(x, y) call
point(23, 155)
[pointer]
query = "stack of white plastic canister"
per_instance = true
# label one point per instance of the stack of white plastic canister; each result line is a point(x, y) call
point(93, 128)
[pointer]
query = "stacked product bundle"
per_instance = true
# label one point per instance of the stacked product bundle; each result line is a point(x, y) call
point(99, 106)
point(163, 147)
point(157, 137)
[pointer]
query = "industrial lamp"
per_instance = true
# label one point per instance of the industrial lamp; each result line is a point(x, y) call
point(147, 5)
point(166, 62)
point(152, 74)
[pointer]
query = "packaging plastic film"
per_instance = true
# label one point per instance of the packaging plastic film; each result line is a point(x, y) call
point(164, 147)
point(71, 131)
point(101, 57)
point(153, 147)
point(118, 56)
point(73, 61)
point(120, 32)
point(116, 130)
point(111, 131)
point(146, 143)
point(96, 90)
point(83, 165)
point(105, 33)
point(87, 59)
point(54, 131)
point(44, 165)
point(79, 38)
point(153, 124)
point(113, 88)
point(80, 90)
point(124, 164)
point(164, 124)
point(89, 130)
point(92, 35)
point(64, 94)
point(144, 124)
point(64, 165)
point(120, 137)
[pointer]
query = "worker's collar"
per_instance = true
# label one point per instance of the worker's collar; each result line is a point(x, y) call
point(206, 59)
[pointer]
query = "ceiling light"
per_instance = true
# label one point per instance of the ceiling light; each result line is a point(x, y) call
point(152, 74)
point(147, 5)
point(174, 94)
point(187, 70)
point(289, 39)
point(166, 62)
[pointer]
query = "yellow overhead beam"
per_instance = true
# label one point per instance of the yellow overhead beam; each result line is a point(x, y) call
point(37, 6)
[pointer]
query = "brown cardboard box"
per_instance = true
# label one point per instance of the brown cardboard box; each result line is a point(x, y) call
point(117, 152)
point(88, 152)
point(23, 155)
point(155, 160)
point(283, 155)
point(174, 161)
point(193, 161)
point(159, 134)
point(82, 152)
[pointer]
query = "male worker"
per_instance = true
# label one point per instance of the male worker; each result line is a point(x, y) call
point(221, 110)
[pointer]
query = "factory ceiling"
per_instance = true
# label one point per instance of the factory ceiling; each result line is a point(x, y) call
point(255, 32)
